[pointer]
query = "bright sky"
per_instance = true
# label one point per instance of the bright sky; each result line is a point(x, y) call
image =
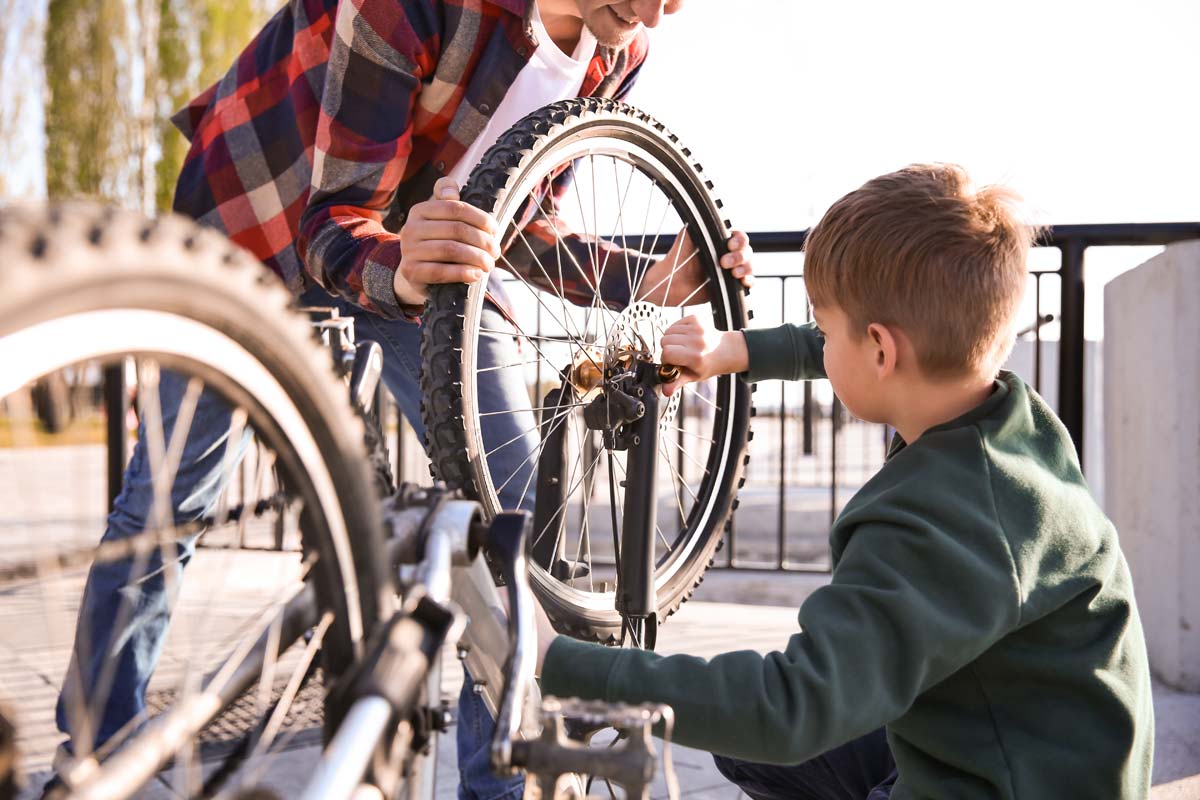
point(1089, 108)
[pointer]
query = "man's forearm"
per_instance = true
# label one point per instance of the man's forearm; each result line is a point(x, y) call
point(574, 267)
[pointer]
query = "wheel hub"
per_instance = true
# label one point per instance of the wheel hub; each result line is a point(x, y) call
point(636, 335)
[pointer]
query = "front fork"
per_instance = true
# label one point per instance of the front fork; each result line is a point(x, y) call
point(635, 577)
point(627, 416)
point(550, 512)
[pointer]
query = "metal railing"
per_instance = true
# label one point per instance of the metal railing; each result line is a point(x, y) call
point(814, 451)
point(793, 529)
point(1072, 241)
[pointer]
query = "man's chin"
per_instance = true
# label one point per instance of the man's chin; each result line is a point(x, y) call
point(618, 42)
point(610, 35)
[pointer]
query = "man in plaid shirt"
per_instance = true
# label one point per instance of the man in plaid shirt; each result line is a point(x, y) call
point(332, 149)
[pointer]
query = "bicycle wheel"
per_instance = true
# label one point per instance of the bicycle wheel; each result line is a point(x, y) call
point(625, 186)
point(175, 305)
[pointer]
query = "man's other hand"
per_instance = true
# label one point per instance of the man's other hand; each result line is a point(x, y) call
point(444, 240)
point(678, 278)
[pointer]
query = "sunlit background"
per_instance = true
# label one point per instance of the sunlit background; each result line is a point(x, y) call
point(1086, 107)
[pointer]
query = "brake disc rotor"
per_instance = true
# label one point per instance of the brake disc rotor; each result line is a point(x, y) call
point(636, 335)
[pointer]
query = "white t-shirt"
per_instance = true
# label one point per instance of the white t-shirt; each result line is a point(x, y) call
point(549, 76)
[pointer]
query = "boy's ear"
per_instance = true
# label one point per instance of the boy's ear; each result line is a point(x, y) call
point(886, 347)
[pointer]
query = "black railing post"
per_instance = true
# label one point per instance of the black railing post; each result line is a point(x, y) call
point(1037, 332)
point(731, 540)
point(781, 532)
point(1070, 345)
point(116, 408)
point(834, 416)
point(807, 434)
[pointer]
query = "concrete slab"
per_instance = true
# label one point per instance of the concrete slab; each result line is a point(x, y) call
point(1152, 428)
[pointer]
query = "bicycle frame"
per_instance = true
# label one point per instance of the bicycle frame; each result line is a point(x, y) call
point(388, 684)
point(435, 544)
point(451, 586)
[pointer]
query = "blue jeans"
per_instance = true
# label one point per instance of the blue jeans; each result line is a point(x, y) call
point(862, 769)
point(474, 739)
point(126, 606)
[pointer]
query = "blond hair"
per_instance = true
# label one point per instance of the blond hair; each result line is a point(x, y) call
point(921, 249)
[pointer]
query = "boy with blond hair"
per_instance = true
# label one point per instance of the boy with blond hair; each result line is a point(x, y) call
point(978, 637)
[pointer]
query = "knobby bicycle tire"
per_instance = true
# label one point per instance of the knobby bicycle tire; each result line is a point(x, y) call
point(69, 262)
point(448, 339)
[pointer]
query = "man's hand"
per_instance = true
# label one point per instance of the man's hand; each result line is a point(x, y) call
point(678, 277)
point(444, 240)
point(701, 351)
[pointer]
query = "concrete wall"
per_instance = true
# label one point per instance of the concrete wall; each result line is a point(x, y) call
point(1152, 430)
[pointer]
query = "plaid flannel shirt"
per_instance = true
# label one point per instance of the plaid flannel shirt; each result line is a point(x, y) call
point(339, 116)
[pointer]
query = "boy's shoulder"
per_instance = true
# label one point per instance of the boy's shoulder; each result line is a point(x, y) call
point(1003, 478)
point(1012, 440)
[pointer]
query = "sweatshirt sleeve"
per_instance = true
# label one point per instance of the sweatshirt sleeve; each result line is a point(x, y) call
point(789, 352)
point(890, 625)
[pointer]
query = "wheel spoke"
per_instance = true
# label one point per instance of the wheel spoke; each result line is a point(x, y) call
point(688, 456)
point(595, 240)
point(518, 437)
point(560, 246)
point(694, 292)
point(653, 246)
point(669, 277)
point(696, 394)
point(694, 435)
point(229, 461)
point(531, 408)
point(563, 505)
point(537, 297)
point(522, 335)
point(676, 478)
point(585, 522)
point(258, 760)
point(151, 415)
point(555, 422)
point(140, 544)
point(520, 332)
point(508, 366)
point(621, 216)
point(650, 195)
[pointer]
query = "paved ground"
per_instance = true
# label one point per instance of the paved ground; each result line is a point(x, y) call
point(701, 628)
point(226, 589)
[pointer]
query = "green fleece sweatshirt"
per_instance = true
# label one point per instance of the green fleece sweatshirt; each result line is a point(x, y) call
point(979, 608)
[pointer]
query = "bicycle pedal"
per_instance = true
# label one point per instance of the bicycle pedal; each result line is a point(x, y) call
point(565, 569)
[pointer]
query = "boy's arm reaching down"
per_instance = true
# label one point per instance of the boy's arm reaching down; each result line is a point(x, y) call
point(891, 624)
